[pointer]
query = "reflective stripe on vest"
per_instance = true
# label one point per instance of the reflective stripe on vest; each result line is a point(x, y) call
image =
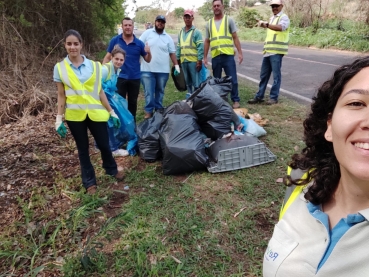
point(220, 42)
point(277, 41)
point(188, 47)
point(292, 192)
point(82, 99)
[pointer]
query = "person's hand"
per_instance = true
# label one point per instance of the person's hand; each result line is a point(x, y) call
point(115, 118)
point(60, 127)
point(206, 61)
point(198, 66)
point(147, 48)
point(240, 58)
point(177, 70)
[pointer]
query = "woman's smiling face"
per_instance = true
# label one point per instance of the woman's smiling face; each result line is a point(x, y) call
point(118, 60)
point(73, 46)
point(348, 128)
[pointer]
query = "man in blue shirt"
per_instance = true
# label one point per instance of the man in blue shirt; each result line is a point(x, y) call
point(155, 74)
point(128, 83)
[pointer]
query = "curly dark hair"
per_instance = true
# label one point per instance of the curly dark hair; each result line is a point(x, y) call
point(318, 157)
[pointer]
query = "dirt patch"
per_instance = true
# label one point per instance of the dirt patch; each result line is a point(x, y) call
point(120, 195)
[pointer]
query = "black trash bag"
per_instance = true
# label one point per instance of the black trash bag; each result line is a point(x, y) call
point(205, 103)
point(148, 138)
point(234, 141)
point(183, 144)
point(179, 80)
point(222, 86)
point(179, 107)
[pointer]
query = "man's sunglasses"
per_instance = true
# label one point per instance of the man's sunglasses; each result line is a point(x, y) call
point(275, 6)
point(161, 21)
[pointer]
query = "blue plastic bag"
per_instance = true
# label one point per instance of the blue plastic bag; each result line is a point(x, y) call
point(204, 73)
point(250, 127)
point(126, 132)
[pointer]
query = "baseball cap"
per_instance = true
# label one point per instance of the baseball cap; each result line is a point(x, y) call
point(275, 2)
point(160, 17)
point(189, 12)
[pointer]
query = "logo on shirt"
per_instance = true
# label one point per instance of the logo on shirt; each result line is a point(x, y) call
point(270, 255)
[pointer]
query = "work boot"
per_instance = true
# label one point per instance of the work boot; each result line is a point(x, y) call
point(236, 105)
point(147, 115)
point(255, 101)
point(271, 102)
point(119, 176)
point(91, 190)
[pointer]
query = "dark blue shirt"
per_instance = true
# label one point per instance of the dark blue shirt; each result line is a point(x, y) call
point(131, 67)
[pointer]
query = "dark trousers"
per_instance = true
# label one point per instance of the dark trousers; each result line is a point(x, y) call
point(100, 133)
point(227, 63)
point(130, 88)
point(270, 64)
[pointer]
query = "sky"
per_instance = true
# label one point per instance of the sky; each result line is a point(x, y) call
point(186, 4)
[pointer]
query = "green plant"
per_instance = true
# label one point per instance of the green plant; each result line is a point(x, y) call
point(248, 17)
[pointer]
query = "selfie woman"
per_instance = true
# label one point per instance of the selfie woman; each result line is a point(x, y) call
point(323, 228)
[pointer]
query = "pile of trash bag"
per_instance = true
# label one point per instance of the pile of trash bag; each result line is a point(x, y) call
point(180, 135)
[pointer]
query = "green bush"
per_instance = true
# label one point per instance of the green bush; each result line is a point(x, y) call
point(248, 17)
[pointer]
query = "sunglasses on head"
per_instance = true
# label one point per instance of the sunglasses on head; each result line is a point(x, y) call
point(275, 6)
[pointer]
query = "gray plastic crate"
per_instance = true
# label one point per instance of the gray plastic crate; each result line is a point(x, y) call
point(242, 157)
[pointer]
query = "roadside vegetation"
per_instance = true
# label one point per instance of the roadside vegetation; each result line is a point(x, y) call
point(334, 24)
point(183, 225)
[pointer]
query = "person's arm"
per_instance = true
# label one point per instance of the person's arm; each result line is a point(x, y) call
point(104, 101)
point(206, 45)
point(200, 49)
point(147, 50)
point(107, 58)
point(237, 43)
point(61, 98)
point(173, 58)
point(272, 27)
point(178, 50)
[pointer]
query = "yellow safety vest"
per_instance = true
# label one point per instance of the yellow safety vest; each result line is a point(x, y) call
point(188, 47)
point(220, 42)
point(110, 68)
point(292, 192)
point(277, 41)
point(82, 99)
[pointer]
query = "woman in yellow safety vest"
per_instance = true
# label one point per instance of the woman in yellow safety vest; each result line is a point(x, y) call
point(324, 224)
point(81, 98)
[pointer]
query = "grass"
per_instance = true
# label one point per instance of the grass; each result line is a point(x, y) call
point(168, 225)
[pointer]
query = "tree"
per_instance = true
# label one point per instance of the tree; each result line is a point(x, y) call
point(178, 12)
point(248, 17)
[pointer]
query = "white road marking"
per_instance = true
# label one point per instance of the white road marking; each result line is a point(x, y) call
point(290, 93)
point(299, 59)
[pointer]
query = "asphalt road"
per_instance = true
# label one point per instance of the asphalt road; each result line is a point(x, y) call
point(303, 69)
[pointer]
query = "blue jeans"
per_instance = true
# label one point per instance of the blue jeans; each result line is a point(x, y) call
point(100, 133)
point(154, 85)
point(192, 77)
point(227, 63)
point(270, 64)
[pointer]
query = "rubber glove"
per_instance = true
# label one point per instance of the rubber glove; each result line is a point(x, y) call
point(115, 118)
point(60, 127)
point(177, 70)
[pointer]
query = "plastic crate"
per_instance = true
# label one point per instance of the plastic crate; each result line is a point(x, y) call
point(242, 157)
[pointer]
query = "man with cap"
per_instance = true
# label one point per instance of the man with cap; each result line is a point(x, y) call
point(275, 47)
point(190, 52)
point(221, 34)
point(156, 73)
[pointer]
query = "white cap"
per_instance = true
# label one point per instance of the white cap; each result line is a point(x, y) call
point(275, 2)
